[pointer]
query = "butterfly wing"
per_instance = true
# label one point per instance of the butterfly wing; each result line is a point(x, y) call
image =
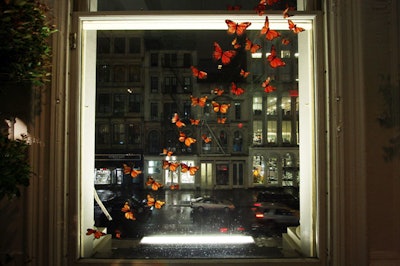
point(236, 90)
point(158, 204)
point(274, 61)
point(221, 120)
point(202, 101)
point(184, 168)
point(150, 200)
point(252, 47)
point(189, 141)
point(130, 216)
point(126, 207)
point(244, 74)
point(198, 73)
point(267, 87)
point(293, 27)
point(227, 56)
point(216, 106)
point(127, 169)
point(193, 170)
point(217, 54)
point(224, 108)
point(195, 122)
point(135, 173)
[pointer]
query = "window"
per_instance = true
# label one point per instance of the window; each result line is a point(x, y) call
point(223, 172)
point(187, 60)
point(103, 45)
point(154, 84)
point(238, 111)
point(135, 101)
point(134, 73)
point(154, 111)
point(154, 59)
point(119, 45)
point(135, 45)
point(103, 103)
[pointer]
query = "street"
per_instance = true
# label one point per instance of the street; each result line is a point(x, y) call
point(177, 218)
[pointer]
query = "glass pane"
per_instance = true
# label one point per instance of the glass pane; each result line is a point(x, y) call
point(168, 147)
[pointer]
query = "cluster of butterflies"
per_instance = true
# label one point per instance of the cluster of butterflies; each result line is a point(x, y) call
point(225, 57)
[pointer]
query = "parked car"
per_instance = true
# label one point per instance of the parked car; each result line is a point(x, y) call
point(207, 203)
point(269, 216)
point(277, 197)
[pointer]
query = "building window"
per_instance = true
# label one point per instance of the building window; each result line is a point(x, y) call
point(257, 105)
point(103, 105)
point(154, 143)
point(258, 169)
point(103, 73)
point(257, 132)
point(154, 59)
point(102, 134)
point(118, 134)
point(154, 84)
point(222, 174)
point(154, 111)
point(119, 45)
point(272, 170)
point(134, 134)
point(170, 60)
point(135, 73)
point(238, 111)
point(187, 85)
point(237, 141)
point(103, 45)
point(272, 132)
point(119, 104)
point(135, 101)
point(187, 60)
point(119, 73)
point(135, 45)
point(170, 85)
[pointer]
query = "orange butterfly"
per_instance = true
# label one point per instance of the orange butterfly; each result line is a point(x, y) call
point(235, 44)
point(285, 41)
point(286, 13)
point(252, 47)
point(175, 119)
point(267, 87)
point(294, 28)
point(174, 186)
point(244, 74)
point(225, 56)
point(274, 61)
point(191, 169)
point(218, 91)
point(129, 170)
point(167, 152)
point(128, 213)
point(205, 138)
point(222, 108)
point(238, 28)
point(151, 201)
point(198, 74)
point(183, 138)
point(152, 183)
point(221, 120)
point(236, 90)
point(171, 166)
point(269, 34)
point(195, 122)
point(96, 233)
point(260, 8)
point(198, 101)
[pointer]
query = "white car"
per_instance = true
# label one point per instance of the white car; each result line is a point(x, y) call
point(205, 203)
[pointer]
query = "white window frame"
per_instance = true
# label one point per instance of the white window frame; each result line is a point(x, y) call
point(313, 232)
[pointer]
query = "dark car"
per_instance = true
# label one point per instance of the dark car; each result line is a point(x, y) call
point(278, 197)
point(271, 216)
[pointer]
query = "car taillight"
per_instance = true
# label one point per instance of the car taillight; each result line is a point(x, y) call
point(223, 229)
point(240, 229)
point(259, 215)
point(257, 204)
